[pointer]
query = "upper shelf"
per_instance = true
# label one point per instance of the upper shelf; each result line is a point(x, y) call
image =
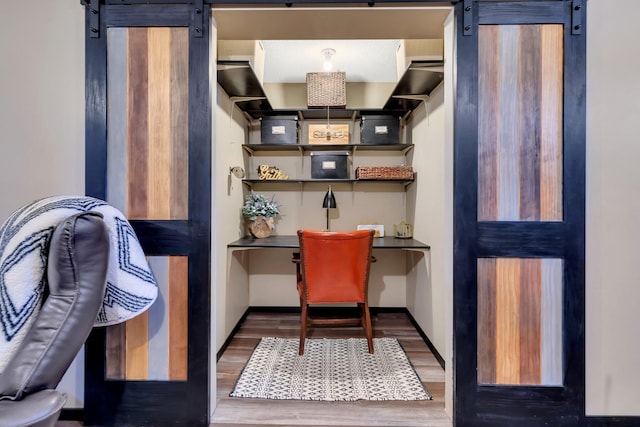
point(243, 87)
point(417, 83)
point(251, 148)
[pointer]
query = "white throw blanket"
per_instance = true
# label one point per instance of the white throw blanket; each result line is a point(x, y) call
point(24, 243)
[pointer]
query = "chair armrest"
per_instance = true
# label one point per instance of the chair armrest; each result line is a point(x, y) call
point(297, 261)
point(40, 409)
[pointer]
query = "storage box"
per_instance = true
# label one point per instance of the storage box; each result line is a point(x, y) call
point(379, 130)
point(279, 130)
point(337, 134)
point(384, 172)
point(329, 164)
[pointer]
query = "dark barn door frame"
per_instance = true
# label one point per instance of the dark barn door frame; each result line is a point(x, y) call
point(155, 403)
point(475, 239)
point(155, 234)
point(508, 405)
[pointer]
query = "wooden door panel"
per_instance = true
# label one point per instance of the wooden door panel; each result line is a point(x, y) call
point(148, 80)
point(520, 321)
point(520, 122)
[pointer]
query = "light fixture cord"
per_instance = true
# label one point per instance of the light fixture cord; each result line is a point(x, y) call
point(328, 126)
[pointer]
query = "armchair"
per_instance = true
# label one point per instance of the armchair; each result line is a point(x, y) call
point(76, 274)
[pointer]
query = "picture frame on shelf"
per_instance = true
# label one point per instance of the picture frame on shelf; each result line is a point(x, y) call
point(377, 228)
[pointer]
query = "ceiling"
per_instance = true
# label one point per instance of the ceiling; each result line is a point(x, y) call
point(365, 38)
point(288, 61)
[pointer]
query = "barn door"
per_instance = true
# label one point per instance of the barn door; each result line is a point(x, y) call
point(519, 213)
point(148, 153)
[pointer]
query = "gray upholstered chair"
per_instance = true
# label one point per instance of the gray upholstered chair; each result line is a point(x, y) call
point(76, 276)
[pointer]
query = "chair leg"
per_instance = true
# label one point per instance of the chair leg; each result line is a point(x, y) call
point(366, 324)
point(303, 327)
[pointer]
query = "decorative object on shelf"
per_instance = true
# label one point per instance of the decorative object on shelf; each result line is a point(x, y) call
point(384, 172)
point(261, 227)
point(403, 230)
point(267, 172)
point(236, 171)
point(329, 134)
point(377, 228)
point(329, 202)
point(261, 213)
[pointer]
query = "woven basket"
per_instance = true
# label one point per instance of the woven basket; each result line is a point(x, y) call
point(326, 89)
point(384, 172)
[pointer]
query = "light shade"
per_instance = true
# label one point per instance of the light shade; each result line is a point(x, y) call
point(327, 89)
point(329, 201)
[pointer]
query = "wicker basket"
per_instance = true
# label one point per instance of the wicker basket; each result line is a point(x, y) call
point(384, 172)
point(326, 90)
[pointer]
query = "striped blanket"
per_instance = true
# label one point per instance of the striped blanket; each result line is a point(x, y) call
point(24, 242)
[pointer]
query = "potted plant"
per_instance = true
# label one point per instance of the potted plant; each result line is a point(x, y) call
point(260, 212)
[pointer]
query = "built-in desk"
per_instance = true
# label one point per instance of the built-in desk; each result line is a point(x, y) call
point(274, 274)
point(291, 242)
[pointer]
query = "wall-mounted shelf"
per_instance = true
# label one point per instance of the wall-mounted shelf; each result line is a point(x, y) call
point(243, 87)
point(252, 148)
point(415, 85)
point(252, 182)
point(239, 81)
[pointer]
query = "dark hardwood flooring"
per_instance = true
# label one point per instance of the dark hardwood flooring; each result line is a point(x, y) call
point(236, 412)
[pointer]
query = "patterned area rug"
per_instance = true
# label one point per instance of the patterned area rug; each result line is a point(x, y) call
point(329, 370)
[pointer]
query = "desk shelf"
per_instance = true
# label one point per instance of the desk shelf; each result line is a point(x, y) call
point(291, 242)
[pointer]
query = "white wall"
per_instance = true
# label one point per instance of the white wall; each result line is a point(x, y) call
point(41, 101)
point(230, 290)
point(432, 217)
point(42, 114)
point(613, 209)
point(430, 280)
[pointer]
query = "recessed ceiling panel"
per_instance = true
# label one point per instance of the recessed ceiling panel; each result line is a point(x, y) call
point(288, 61)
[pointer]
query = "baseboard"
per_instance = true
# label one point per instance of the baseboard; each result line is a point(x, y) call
point(345, 311)
point(232, 334)
point(612, 421)
point(426, 339)
point(71, 414)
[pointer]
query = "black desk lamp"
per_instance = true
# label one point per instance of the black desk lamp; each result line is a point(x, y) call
point(329, 202)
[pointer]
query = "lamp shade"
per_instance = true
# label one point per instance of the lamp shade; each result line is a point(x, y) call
point(329, 201)
point(327, 90)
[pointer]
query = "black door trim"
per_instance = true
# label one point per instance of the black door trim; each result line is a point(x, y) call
point(156, 403)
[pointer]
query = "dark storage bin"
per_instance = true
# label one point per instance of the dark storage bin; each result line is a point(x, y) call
point(380, 130)
point(329, 164)
point(279, 130)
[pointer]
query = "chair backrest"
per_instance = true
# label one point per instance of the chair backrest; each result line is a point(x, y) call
point(76, 276)
point(335, 265)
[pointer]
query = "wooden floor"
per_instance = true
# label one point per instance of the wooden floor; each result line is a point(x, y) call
point(236, 412)
point(241, 412)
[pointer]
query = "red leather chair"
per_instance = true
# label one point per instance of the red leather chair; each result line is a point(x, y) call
point(333, 267)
